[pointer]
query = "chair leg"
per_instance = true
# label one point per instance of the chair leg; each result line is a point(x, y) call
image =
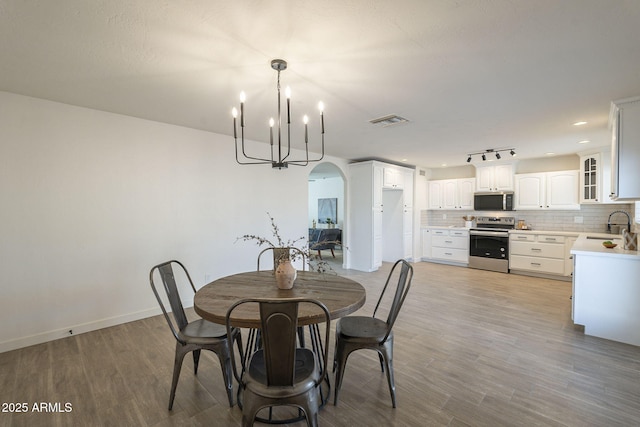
point(333, 253)
point(301, 335)
point(381, 361)
point(339, 365)
point(177, 365)
point(319, 254)
point(387, 349)
point(196, 360)
point(225, 363)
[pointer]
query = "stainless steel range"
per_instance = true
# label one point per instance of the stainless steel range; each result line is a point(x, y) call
point(489, 243)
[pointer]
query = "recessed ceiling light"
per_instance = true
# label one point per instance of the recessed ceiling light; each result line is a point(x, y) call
point(584, 141)
point(579, 123)
point(404, 160)
point(443, 165)
point(550, 154)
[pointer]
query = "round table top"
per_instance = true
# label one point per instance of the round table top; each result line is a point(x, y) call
point(342, 296)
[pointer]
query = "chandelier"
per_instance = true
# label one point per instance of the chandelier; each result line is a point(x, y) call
point(281, 159)
point(491, 151)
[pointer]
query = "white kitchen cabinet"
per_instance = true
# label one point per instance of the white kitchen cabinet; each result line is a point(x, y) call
point(451, 194)
point(590, 177)
point(595, 178)
point(449, 245)
point(393, 178)
point(568, 257)
point(625, 149)
point(366, 237)
point(538, 253)
point(494, 178)
point(426, 243)
point(407, 189)
point(547, 190)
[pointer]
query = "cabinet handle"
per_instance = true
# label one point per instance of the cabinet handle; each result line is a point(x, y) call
point(550, 239)
point(448, 241)
point(537, 264)
point(522, 237)
point(448, 253)
point(536, 249)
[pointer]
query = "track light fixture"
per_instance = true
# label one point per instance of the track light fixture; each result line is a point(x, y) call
point(483, 154)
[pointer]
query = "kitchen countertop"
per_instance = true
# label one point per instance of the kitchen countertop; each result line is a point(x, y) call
point(555, 233)
point(584, 246)
point(445, 227)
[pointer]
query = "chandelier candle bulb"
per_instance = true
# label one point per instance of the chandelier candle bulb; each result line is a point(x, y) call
point(234, 113)
point(271, 123)
point(287, 93)
point(243, 97)
point(305, 119)
point(321, 108)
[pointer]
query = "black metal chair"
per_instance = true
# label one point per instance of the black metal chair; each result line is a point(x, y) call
point(280, 373)
point(196, 335)
point(283, 253)
point(360, 332)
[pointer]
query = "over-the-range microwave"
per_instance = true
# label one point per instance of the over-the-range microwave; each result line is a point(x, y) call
point(498, 201)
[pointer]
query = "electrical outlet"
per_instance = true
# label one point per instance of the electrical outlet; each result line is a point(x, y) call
point(578, 219)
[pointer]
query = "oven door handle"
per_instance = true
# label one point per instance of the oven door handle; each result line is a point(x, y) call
point(489, 233)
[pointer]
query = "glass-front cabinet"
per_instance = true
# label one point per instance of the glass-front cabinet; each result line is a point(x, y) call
point(590, 170)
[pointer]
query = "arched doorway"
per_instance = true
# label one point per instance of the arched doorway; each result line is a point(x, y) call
point(327, 199)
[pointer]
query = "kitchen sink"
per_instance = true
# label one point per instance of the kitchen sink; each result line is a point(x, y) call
point(600, 238)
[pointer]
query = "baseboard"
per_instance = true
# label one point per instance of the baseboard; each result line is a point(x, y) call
point(75, 330)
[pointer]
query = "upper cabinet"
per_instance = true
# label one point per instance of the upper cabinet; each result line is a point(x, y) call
point(625, 149)
point(393, 178)
point(494, 178)
point(595, 178)
point(547, 190)
point(450, 194)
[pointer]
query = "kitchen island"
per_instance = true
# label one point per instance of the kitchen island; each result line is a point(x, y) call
point(606, 289)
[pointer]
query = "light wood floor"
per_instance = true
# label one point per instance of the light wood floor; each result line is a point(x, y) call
point(473, 348)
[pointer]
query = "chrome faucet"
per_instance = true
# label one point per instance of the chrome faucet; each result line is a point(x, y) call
point(615, 212)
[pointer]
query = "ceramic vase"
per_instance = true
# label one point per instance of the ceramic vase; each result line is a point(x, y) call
point(285, 274)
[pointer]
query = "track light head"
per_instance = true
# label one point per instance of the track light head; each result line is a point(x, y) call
point(513, 153)
point(498, 155)
point(484, 157)
point(469, 159)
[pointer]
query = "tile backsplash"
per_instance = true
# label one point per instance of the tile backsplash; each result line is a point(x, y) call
point(594, 218)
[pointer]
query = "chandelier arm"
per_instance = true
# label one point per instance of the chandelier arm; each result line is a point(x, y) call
point(260, 159)
point(258, 162)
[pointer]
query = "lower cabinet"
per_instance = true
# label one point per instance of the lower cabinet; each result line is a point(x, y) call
point(539, 253)
point(446, 244)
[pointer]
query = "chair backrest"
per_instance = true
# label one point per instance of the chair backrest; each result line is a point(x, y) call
point(326, 239)
point(282, 253)
point(166, 272)
point(404, 275)
point(278, 325)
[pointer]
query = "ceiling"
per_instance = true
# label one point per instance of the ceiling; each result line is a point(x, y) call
point(468, 75)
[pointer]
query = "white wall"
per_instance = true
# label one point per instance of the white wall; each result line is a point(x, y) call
point(92, 200)
point(326, 188)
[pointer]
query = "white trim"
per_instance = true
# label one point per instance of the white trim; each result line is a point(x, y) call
point(77, 329)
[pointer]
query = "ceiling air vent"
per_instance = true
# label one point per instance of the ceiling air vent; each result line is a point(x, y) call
point(389, 120)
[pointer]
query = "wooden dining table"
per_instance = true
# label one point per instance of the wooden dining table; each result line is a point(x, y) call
point(341, 295)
